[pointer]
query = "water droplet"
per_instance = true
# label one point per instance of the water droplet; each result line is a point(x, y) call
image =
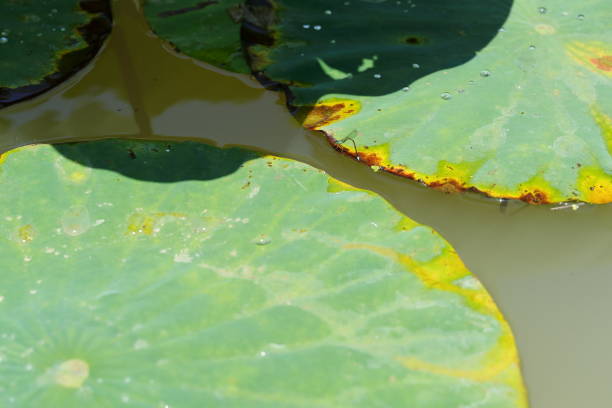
point(75, 221)
point(532, 47)
point(542, 10)
point(31, 18)
point(416, 66)
point(262, 240)
point(3, 40)
point(446, 96)
point(406, 88)
point(377, 76)
point(306, 26)
point(328, 12)
point(141, 344)
point(485, 73)
point(580, 17)
point(317, 28)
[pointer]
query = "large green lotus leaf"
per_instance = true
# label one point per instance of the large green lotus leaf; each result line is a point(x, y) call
point(449, 94)
point(254, 282)
point(43, 42)
point(207, 30)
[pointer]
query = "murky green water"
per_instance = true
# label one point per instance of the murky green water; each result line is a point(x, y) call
point(549, 271)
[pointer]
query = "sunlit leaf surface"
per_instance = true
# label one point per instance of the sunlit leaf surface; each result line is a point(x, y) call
point(147, 278)
point(454, 94)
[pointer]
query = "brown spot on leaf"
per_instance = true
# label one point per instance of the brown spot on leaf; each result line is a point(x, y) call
point(603, 63)
point(447, 186)
point(322, 115)
point(371, 159)
point(326, 112)
point(535, 197)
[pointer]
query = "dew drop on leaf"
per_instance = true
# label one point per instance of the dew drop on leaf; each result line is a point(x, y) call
point(262, 240)
point(75, 221)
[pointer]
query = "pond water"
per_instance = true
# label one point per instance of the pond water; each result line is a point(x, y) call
point(550, 271)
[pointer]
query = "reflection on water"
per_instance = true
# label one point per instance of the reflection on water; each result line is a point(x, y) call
point(549, 271)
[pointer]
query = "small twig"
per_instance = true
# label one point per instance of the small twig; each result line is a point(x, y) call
point(565, 206)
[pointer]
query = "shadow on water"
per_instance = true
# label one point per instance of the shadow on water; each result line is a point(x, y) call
point(160, 162)
point(365, 47)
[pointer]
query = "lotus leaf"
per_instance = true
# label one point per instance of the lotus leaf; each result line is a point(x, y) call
point(253, 282)
point(207, 30)
point(43, 42)
point(510, 99)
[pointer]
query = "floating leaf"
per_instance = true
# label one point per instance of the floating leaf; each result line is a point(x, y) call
point(207, 30)
point(43, 42)
point(253, 282)
point(449, 94)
